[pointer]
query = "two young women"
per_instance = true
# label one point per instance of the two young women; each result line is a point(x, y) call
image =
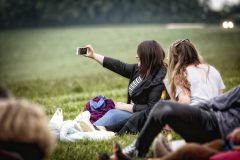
point(190, 81)
point(194, 83)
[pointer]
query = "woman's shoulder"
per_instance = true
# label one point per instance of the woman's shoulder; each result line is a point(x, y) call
point(207, 68)
point(201, 66)
point(213, 69)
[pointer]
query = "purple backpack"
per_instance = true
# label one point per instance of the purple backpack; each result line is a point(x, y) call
point(98, 106)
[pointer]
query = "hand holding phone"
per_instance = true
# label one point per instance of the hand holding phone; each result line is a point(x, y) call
point(87, 51)
point(81, 51)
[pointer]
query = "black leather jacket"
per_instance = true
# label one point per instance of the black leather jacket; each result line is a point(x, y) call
point(148, 92)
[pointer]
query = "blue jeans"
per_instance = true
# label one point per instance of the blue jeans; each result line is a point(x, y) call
point(112, 117)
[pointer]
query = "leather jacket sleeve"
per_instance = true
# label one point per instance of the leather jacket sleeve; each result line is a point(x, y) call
point(119, 67)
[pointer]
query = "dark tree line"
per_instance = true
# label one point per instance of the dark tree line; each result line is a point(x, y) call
point(21, 13)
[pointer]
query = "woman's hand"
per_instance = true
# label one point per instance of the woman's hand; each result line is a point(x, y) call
point(234, 136)
point(91, 54)
point(90, 51)
point(124, 106)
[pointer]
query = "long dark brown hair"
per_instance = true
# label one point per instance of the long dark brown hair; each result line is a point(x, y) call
point(182, 53)
point(151, 56)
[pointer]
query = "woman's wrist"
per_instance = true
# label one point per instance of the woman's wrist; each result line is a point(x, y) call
point(97, 57)
point(94, 56)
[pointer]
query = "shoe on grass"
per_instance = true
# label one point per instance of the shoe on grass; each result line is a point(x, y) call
point(130, 150)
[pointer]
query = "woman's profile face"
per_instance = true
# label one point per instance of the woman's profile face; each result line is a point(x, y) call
point(138, 60)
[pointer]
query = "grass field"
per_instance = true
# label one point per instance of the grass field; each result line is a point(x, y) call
point(41, 65)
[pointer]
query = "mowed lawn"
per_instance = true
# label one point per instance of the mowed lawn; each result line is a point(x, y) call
point(41, 65)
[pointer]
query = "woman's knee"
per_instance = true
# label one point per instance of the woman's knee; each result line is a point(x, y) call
point(115, 115)
point(163, 109)
point(107, 119)
point(111, 112)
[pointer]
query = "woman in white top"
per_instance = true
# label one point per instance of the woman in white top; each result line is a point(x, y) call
point(191, 81)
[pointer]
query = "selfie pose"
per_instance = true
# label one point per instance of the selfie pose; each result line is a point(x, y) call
point(145, 80)
point(191, 82)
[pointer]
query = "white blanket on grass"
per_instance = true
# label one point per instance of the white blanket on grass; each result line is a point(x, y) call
point(66, 131)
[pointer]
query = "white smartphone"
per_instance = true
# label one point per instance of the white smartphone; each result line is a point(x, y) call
point(81, 50)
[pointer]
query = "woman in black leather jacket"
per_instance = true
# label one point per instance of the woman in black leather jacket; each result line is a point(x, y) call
point(145, 80)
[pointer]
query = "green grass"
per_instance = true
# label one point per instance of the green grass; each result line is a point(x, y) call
point(41, 65)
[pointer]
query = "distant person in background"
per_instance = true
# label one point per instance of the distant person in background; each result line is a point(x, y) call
point(145, 80)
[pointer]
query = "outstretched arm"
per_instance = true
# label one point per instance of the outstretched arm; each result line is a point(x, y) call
point(91, 54)
point(114, 65)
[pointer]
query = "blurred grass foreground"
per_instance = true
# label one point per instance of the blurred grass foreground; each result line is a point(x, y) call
point(41, 65)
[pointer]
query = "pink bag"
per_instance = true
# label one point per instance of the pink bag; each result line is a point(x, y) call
point(228, 155)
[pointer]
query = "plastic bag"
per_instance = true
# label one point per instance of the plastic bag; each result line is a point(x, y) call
point(56, 122)
point(57, 118)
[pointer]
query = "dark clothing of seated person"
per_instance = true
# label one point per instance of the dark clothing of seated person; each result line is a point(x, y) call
point(219, 149)
point(145, 80)
point(135, 123)
point(206, 121)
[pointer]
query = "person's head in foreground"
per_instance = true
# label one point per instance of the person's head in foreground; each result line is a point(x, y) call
point(182, 54)
point(150, 56)
point(24, 130)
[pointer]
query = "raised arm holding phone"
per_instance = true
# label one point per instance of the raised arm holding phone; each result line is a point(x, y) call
point(145, 80)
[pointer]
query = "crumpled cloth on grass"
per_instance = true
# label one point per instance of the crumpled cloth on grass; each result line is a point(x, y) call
point(66, 131)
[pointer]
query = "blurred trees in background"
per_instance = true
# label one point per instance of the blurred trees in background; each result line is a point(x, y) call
point(23, 13)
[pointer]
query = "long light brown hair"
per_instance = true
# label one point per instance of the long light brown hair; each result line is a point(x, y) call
point(182, 53)
point(151, 56)
point(22, 121)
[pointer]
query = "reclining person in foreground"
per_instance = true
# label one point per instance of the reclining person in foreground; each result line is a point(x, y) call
point(201, 123)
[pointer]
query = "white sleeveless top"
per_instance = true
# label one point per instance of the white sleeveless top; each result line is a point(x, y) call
point(205, 82)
